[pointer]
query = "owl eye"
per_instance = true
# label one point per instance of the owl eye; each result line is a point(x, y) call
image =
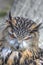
point(27, 37)
point(12, 35)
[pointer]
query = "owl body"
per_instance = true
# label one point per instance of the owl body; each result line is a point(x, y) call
point(9, 57)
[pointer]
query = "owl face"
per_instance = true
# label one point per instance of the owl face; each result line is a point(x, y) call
point(24, 30)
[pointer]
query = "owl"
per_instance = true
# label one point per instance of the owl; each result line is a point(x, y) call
point(21, 33)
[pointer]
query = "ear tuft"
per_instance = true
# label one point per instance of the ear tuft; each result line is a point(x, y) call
point(10, 17)
point(38, 26)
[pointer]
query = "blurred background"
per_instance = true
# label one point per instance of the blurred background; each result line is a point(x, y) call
point(32, 9)
point(5, 6)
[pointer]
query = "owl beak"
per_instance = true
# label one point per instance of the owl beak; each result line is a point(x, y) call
point(17, 47)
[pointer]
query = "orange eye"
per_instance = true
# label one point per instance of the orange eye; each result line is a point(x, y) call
point(12, 35)
point(27, 37)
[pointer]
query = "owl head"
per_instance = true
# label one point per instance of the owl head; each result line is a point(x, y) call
point(26, 31)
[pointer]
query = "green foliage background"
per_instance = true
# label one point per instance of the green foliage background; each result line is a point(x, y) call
point(5, 10)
